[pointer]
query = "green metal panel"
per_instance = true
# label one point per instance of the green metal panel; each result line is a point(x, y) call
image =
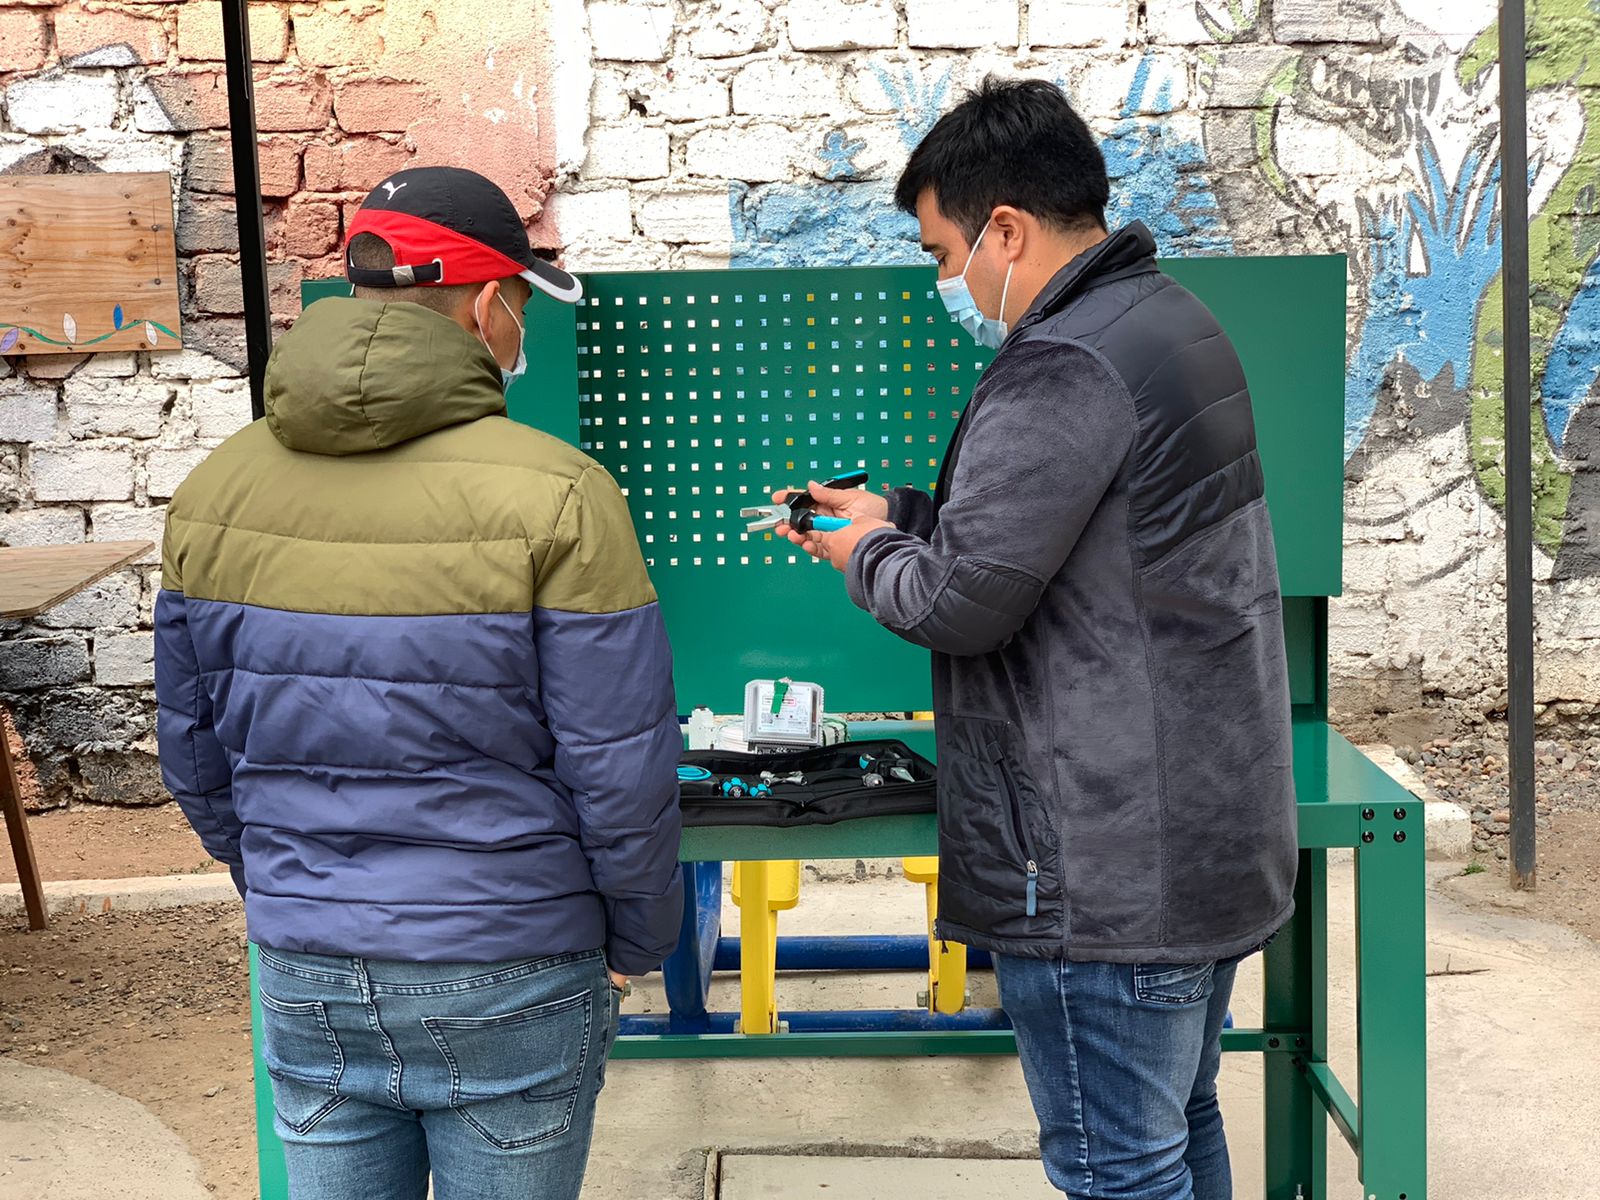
point(703, 392)
point(1391, 1005)
point(1295, 1132)
point(544, 396)
point(1286, 317)
point(1302, 641)
point(273, 1175)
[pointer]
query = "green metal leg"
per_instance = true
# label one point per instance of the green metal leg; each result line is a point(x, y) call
point(1391, 1006)
point(1296, 967)
point(269, 1150)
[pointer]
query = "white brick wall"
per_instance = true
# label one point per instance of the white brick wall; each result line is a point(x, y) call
point(756, 153)
point(1079, 22)
point(728, 28)
point(27, 413)
point(83, 473)
point(97, 407)
point(1176, 21)
point(65, 103)
point(684, 214)
point(598, 216)
point(787, 89)
point(41, 526)
point(842, 24)
point(128, 523)
point(630, 32)
point(219, 408)
point(111, 603)
point(166, 469)
point(961, 24)
point(632, 151)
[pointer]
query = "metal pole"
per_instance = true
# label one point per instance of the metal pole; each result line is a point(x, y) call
point(247, 197)
point(1518, 447)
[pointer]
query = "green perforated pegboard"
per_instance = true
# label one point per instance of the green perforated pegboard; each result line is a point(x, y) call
point(704, 391)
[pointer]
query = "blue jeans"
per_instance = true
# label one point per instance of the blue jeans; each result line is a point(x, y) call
point(1121, 1063)
point(484, 1074)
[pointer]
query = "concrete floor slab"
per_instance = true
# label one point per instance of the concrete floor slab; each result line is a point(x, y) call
point(793, 1177)
point(63, 1138)
point(1511, 1055)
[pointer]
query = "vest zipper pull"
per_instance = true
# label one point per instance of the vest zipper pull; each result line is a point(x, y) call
point(1033, 888)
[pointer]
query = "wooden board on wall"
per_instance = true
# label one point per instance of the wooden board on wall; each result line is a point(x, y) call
point(87, 263)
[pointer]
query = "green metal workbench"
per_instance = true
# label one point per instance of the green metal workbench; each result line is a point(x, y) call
point(701, 390)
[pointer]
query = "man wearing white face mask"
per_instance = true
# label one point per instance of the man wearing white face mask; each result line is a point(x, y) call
point(1095, 576)
point(416, 691)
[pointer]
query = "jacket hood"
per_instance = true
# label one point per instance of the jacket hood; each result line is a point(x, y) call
point(359, 375)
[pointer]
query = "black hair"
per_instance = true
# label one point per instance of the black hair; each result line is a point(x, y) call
point(1016, 142)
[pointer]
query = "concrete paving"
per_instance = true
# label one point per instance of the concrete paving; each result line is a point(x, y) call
point(1514, 1017)
point(1513, 1103)
point(794, 1177)
point(63, 1138)
point(124, 895)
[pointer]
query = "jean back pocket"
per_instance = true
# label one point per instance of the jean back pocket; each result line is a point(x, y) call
point(515, 1077)
point(304, 1060)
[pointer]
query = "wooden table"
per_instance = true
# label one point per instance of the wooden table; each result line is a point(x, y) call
point(33, 580)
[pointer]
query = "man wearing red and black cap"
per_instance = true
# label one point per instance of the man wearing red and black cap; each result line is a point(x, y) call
point(415, 689)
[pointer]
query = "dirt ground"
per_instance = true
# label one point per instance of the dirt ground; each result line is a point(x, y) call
point(112, 843)
point(1569, 877)
point(153, 1005)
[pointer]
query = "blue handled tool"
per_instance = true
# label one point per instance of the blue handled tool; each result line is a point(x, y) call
point(795, 510)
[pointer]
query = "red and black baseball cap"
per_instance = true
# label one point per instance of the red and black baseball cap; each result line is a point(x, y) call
point(449, 226)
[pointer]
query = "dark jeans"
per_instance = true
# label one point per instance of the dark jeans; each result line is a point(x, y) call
point(1121, 1062)
point(485, 1075)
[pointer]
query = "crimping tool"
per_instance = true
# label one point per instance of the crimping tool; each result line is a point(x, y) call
point(796, 509)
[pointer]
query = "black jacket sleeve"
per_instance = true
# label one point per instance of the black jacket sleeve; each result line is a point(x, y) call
point(1050, 429)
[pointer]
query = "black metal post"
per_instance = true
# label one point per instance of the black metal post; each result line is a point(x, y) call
point(1518, 443)
point(247, 197)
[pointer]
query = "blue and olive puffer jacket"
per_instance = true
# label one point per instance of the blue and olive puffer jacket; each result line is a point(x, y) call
point(411, 672)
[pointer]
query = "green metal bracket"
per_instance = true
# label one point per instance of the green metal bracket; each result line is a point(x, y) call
point(1326, 1087)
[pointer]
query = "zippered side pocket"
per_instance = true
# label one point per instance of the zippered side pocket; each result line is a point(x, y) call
point(1019, 827)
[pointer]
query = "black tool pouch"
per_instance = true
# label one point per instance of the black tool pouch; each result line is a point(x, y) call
point(835, 788)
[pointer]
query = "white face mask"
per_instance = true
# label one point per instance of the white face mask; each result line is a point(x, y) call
point(957, 297)
point(507, 378)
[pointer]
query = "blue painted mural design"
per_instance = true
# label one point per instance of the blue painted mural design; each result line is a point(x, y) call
point(1426, 317)
point(1570, 375)
point(1158, 177)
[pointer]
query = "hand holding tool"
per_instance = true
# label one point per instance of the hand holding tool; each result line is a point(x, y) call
point(796, 510)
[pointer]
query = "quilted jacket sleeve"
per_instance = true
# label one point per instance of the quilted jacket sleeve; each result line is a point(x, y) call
point(1050, 433)
point(194, 765)
point(605, 678)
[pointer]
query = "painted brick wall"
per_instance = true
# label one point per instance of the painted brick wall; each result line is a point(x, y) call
point(91, 447)
point(709, 133)
point(734, 132)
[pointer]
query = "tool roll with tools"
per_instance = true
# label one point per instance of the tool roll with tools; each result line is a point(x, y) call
point(787, 776)
point(816, 786)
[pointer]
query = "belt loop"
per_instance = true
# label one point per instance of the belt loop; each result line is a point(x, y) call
point(365, 984)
